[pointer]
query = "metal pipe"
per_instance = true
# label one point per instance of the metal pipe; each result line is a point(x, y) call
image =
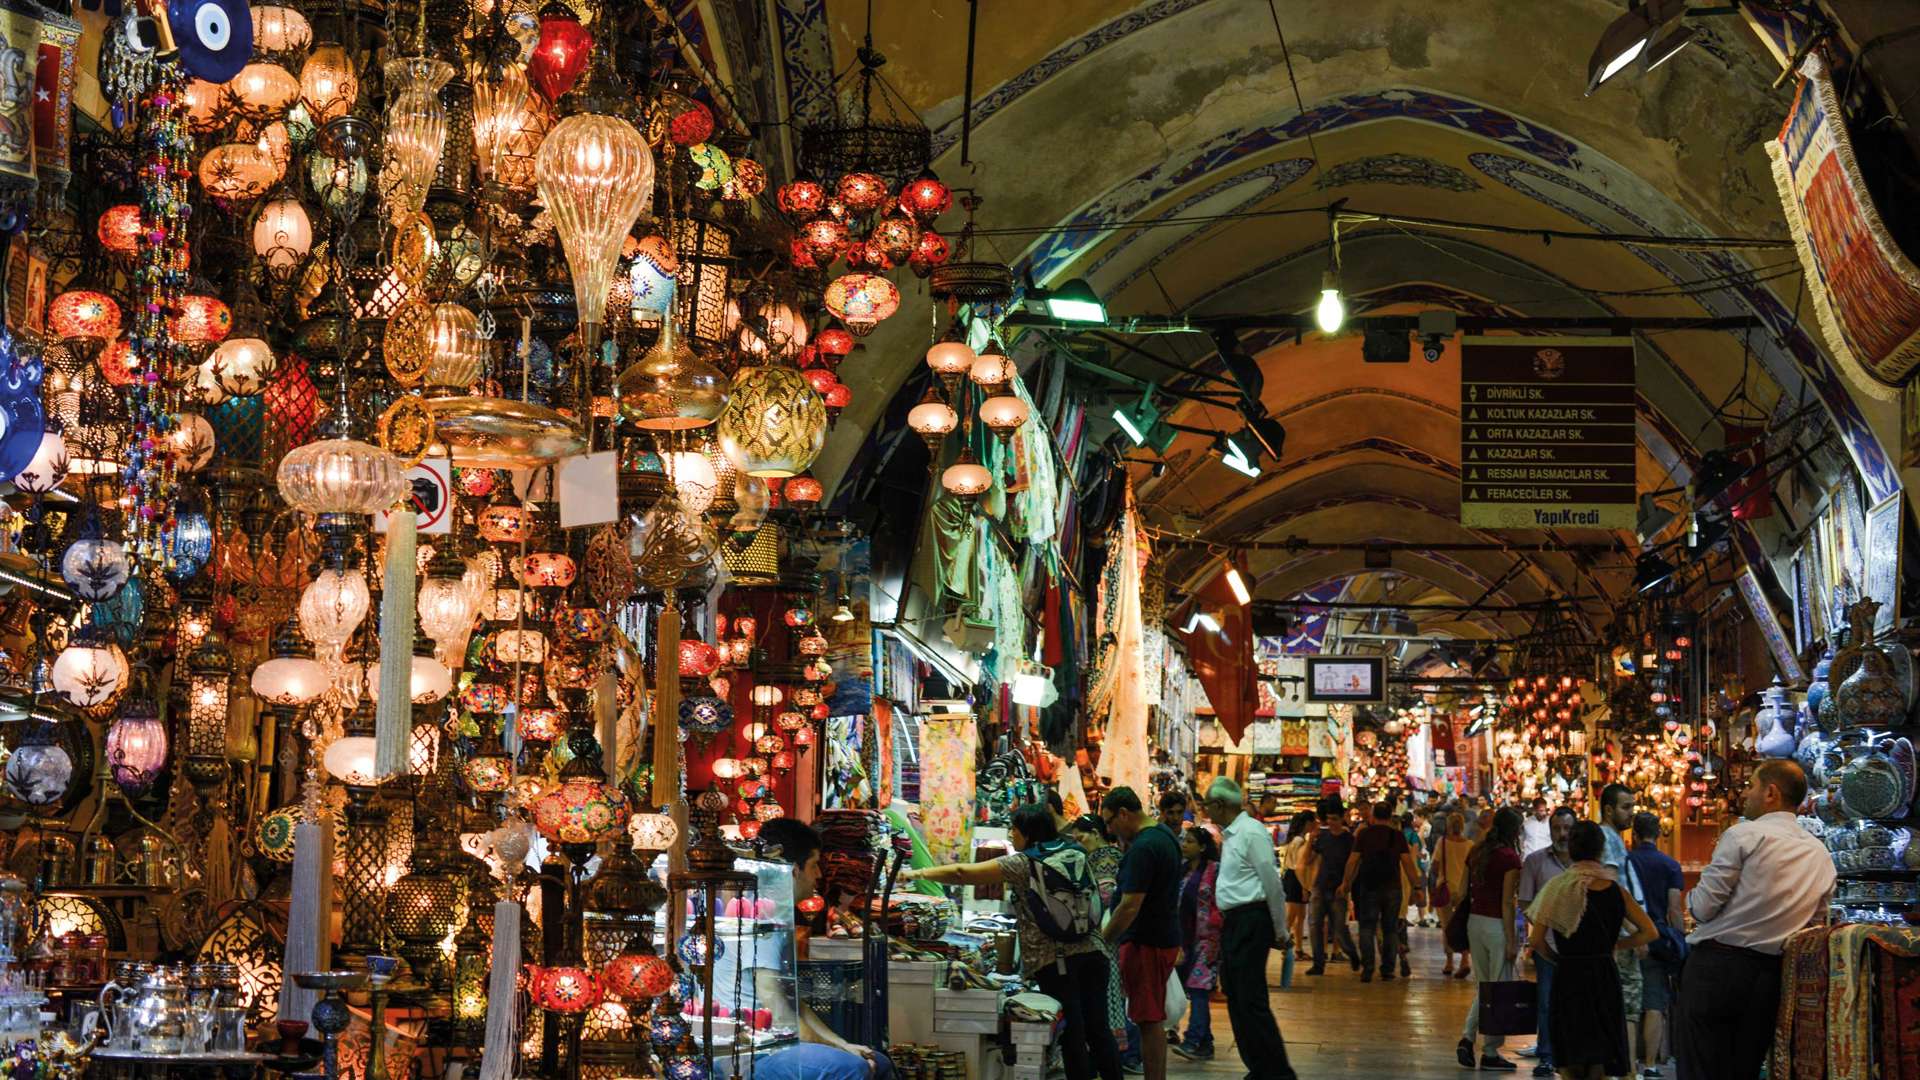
point(966, 109)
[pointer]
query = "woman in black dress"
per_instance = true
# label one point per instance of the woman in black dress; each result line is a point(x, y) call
point(1575, 921)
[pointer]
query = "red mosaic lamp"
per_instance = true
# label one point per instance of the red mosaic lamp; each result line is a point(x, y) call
point(561, 54)
point(567, 988)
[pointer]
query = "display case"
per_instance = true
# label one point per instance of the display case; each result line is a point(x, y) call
point(735, 946)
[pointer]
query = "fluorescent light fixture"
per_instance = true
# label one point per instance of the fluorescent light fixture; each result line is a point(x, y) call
point(1076, 302)
point(1630, 39)
point(1143, 425)
point(1239, 586)
point(1234, 456)
point(1664, 49)
point(1202, 620)
point(1331, 313)
point(1126, 423)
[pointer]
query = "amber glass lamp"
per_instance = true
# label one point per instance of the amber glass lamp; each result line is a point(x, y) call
point(329, 86)
point(595, 174)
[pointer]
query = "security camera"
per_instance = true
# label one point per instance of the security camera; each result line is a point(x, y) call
point(1431, 347)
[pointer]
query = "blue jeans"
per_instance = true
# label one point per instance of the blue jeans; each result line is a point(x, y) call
point(1543, 974)
point(1199, 1020)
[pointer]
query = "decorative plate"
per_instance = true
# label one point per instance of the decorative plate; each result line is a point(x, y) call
point(1900, 752)
point(1871, 787)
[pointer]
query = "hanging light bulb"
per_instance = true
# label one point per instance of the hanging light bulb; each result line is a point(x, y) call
point(499, 110)
point(1331, 313)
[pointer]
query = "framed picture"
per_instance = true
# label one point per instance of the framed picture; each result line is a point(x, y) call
point(1770, 628)
point(1882, 550)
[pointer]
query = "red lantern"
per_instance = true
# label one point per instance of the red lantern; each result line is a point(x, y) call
point(803, 738)
point(790, 721)
point(820, 711)
point(542, 725)
point(783, 761)
point(638, 976)
point(548, 570)
point(120, 364)
point(861, 191)
point(692, 125)
point(838, 396)
point(803, 198)
point(800, 255)
point(750, 828)
point(820, 379)
point(931, 251)
point(833, 341)
point(564, 988)
point(120, 230)
point(868, 255)
point(562, 52)
point(201, 320)
point(824, 238)
point(897, 236)
point(803, 491)
point(697, 658)
point(84, 313)
point(925, 197)
point(812, 905)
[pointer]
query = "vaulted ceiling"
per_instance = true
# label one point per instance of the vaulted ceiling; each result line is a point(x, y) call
point(1091, 117)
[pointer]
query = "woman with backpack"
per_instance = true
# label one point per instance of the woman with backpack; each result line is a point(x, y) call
point(1492, 932)
point(1103, 859)
point(1200, 922)
point(1057, 909)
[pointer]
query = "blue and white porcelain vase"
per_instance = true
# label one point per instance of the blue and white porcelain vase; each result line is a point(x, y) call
point(1871, 697)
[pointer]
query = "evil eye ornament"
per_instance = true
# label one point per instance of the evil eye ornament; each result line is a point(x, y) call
point(215, 36)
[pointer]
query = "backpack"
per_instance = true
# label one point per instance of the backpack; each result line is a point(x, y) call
point(1060, 894)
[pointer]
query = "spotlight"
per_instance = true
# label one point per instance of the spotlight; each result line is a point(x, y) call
point(1143, 425)
point(1331, 313)
point(1432, 348)
point(1076, 302)
point(1627, 39)
point(1264, 432)
point(1238, 453)
point(1650, 571)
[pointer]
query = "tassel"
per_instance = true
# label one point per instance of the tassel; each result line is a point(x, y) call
point(308, 915)
point(500, 1050)
point(393, 717)
point(606, 714)
point(666, 707)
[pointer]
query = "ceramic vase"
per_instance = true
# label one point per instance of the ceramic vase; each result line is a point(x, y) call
point(1773, 723)
point(1870, 697)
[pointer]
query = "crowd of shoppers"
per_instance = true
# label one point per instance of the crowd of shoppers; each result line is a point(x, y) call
point(1188, 899)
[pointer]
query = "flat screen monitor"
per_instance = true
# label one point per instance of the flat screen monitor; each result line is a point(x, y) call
point(1346, 679)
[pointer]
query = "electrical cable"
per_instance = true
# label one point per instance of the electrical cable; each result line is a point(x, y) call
point(1685, 243)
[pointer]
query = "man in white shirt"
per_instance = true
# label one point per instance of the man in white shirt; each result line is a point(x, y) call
point(1769, 878)
point(1252, 907)
point(1536, 832)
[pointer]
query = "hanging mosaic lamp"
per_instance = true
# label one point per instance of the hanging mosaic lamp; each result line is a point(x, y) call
point(672, 387)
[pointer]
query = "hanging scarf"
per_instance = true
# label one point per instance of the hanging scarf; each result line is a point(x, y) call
point(1562, 902)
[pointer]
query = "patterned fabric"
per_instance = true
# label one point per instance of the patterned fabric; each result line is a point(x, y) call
point(1204, 961)
point(1800, 1039)
point(1105, 866)
point(1832, 994)
point(947, 749)
point(1864, 289)
point(1898, 979)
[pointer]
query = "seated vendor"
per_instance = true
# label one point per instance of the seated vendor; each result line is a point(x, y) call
point(822, 1054)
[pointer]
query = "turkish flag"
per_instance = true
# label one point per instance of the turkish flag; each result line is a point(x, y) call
point(1223, 659)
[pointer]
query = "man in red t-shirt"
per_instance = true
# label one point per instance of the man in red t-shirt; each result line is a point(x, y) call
point(1380, 857)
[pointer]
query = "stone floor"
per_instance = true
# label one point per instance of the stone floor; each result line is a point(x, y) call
point(1337, 1026)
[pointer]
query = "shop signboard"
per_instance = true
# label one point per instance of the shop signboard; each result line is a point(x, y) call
point(1547, 433)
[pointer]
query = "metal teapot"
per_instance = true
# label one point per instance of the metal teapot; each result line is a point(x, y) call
point(156, 1013)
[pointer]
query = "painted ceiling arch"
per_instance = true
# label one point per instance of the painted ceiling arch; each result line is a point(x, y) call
point(1157, 98)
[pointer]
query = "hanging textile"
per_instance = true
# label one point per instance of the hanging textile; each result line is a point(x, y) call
point(1123, 755)
point(947, 751)
point(1223, 658)
point(1864, 288)
point(1073, 796)
point(883, 741)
